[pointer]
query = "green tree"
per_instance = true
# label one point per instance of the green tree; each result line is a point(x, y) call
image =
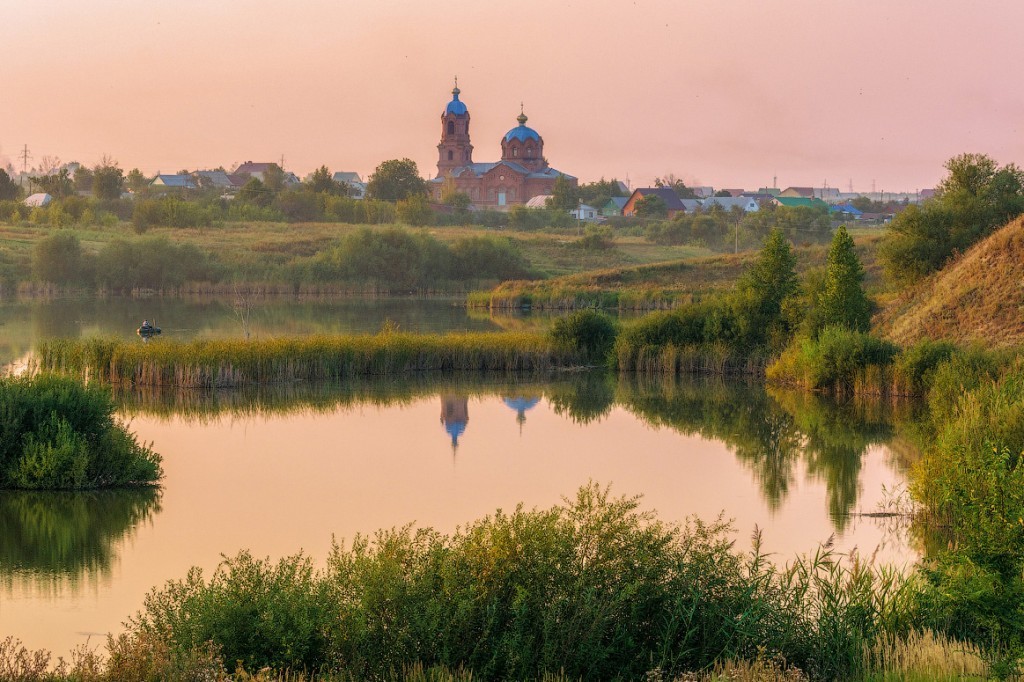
point(58, 185)
point(598, 193)
point(83, 178)
point(108, 181)
point(322, 182)
point(765, 293)
point(451, 196)
point(415, 210)
point(8, 188)
point(395, 180)
point(839, 299)
point(58, 258)
point(565, 196)
point(975, 197)
point(651, 206)
point(677, 186)
point(255, 192)
point(723, 193)
point(136, 181)
point(273, 178)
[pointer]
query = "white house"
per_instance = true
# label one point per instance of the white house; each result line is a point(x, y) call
point(38, 200)
point(748, 204)
point(585, 212)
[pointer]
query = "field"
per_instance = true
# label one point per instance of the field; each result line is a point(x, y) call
point(249, 251)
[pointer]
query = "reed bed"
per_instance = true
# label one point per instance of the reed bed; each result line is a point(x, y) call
point(224, 363)
point(699, 359)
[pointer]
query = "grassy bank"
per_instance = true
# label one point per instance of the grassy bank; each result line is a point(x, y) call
point(56, 434)
point(656, 286)
point(313, 358)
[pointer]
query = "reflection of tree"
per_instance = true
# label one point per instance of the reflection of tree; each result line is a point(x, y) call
point(586, 397)
point(837, 434)
point(52, 536)
point(771, 431)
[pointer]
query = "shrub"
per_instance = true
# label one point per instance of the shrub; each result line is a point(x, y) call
point(56, 433)
point(839, 359)
point(587, 332)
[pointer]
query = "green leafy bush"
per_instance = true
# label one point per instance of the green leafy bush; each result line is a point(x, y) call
point(587, 332)
point(56, 433)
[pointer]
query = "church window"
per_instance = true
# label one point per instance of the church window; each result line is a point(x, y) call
point(450, 155)
point(515, 151)
point(451, 127)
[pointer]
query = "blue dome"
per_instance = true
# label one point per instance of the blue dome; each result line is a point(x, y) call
point(455, 106)
point(522, 133)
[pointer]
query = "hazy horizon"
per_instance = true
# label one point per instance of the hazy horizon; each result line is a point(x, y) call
point(729, 94)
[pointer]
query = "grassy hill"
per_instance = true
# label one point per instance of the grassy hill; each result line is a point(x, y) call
point(978, 297)
point(658, 285)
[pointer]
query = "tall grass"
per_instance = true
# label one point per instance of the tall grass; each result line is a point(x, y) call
point(313, 358)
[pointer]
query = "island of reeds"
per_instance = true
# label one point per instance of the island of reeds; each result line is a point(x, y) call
point(58, 434)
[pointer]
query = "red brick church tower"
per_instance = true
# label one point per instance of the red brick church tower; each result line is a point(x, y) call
point(455, 149)
point(522, 173)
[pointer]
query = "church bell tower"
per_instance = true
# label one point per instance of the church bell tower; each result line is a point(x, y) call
point(455, 149)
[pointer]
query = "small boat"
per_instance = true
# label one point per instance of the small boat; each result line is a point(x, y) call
point(147, 330)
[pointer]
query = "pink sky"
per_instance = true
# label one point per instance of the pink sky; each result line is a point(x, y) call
point(721, 92)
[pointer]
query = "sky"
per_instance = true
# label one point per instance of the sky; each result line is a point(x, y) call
point(728, 93)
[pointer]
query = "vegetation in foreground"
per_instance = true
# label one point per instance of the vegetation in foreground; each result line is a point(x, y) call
point(57, 434)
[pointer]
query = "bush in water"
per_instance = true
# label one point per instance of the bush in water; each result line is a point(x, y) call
point(56, 433)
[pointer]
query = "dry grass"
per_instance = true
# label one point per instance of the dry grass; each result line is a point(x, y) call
point(923, 656)
point(979, 297)
point(224, 363)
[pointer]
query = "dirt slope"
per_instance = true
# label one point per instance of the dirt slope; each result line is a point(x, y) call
point(979, 297)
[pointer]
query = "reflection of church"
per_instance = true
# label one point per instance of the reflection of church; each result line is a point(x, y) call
point(522, 173)
point(455, 413)
point(454, 416)
point(522, 405)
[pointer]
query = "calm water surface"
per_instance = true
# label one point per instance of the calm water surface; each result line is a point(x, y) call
point(24, 322)
point(283, 470)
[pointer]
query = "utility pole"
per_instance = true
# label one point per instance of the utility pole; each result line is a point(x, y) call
point(25, 156)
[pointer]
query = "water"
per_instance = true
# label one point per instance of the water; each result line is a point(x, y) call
point(23, 323)
point(287, 469)
point(278, 470)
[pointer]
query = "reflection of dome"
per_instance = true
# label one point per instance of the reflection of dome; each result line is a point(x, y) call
point(456, 106)
point(521, 404)
point(454, 416)
point(521, 132)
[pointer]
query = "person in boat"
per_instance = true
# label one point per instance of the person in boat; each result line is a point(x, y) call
point(146, 325)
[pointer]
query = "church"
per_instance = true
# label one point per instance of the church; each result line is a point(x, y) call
point(522, 173)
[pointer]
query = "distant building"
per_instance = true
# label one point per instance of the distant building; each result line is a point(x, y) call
point(585, 212)
point(521, 174)
point(673, 203)
point(356, 186)
point(614, 207)
point(735, 192)
point(259, 170)
point(539, 201)
point(748, 204)
point(216, 178)
point(38, 200)
point(703, 191)
point(176, 181)
point(793, 202)
point(831, 195)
